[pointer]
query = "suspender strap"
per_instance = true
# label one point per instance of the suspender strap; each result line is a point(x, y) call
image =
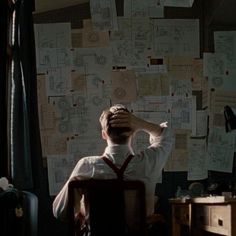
point(119, 172)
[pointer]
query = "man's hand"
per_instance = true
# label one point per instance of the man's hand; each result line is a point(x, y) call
point(124, 119)
point(127, 119)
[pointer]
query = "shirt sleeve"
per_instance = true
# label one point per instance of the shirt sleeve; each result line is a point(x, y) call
point(156, 155)
point(60, 203)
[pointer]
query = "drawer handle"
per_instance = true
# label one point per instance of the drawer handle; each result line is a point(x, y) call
point(220, 222)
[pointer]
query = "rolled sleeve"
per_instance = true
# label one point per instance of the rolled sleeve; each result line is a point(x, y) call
point(156, 155)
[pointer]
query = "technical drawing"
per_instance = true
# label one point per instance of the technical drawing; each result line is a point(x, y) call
point(119, 93)
point(217, 81)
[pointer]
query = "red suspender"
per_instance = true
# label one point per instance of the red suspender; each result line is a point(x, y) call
point(119, 172)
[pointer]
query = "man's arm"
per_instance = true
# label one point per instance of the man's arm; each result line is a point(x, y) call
point(161, 139)
point(60, 203)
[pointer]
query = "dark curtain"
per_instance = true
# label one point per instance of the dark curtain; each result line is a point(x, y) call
point(3, 76)
point(23, 135)
point(21, 158)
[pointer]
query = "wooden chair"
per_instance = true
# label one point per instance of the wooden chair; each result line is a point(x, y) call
point(116, 207)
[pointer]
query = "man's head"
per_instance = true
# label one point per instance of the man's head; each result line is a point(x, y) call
point(117, 135)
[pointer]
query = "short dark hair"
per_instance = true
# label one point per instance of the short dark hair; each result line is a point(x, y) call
point(118, 135)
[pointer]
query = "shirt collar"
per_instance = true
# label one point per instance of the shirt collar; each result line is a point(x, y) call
point(119, 150)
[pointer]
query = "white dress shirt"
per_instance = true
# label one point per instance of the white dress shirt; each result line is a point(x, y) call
point(145, 166)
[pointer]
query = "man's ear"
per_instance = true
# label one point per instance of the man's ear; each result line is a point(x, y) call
point(104, 135)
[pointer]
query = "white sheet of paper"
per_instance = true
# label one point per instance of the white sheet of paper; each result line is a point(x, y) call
point(197, 159)
point(124, 89)
point(181, 88)
point(219, 67)
point(178, 3)
point(58, 81)
point(176, 37)
point(225, 42)
point(152, 84)
point(215, 69)
point(183, 113)
point(48, 58)
point(92, 60)
point(140, 8)
point(201, 123)
point(152, 103)
point(131, 42)
point(53, 35)
point(104, 15)
point(220, 150)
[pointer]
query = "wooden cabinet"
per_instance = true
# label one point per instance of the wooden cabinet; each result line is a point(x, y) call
point(218, 218)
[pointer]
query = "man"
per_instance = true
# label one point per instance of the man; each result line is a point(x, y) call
point(119, 127)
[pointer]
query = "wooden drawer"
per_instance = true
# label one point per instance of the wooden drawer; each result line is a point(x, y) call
point(220, 219)
point(212, 218)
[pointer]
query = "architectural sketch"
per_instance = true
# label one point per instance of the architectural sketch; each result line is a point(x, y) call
point(197, 159)
point(103, 13)
point(55, 35)
point(58, 81)
point(178, 37)
point(48, 58)
point(152, 103)
point(225, 42)
point(123, 86)
point(181, 88)
point(92, 60)
point(152, 84)
point(183, 111)
point(140, 8)
point(220, 150)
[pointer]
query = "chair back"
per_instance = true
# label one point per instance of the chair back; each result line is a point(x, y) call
point(115, 207)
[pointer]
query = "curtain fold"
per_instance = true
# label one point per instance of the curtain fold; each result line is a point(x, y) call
point(24, 146)
point(20, 146)
point(3, 75)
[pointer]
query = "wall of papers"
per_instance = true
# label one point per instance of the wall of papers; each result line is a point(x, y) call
point(151, 63)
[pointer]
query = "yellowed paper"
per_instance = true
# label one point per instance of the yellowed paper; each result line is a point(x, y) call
point(93, 38)
point(153, 85)
point(178, 160)
point(123, 86)
point(78, 82)
point(47, 117)
point(53, 143)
